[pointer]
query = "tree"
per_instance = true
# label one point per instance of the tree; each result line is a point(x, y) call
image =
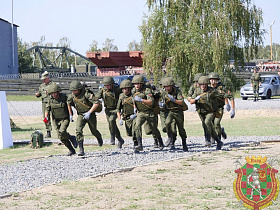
point(24, 59)
point(94, 46)
point(134, 46)
point(185, 37)
point(109, 46)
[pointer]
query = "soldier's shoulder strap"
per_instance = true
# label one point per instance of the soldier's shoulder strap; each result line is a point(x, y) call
point(107, 94)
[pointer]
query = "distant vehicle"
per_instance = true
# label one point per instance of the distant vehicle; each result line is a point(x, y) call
point(270, 86)
point(119, 79)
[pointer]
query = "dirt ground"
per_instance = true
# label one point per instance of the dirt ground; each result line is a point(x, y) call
point(203, 181)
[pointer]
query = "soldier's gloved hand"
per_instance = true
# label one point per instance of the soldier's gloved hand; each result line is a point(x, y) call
point(120, 122)
point(228, 107)
point(232, 113)
point(137, 98)
point(161, 104)
point(197, 98)
point(87, 115)
point(171, 98)
point(133, 116)
point(71, 118)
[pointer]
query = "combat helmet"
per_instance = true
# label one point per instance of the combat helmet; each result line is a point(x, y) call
point(126, 84)
point(167, 81)
point(108, 80)
point(214, 75)
point(197, 76)
point(138, 79)
point(75, 85)
point(203, 80)
point(53, 88)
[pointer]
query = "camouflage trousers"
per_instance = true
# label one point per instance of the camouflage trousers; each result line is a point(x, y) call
point(207, 123)
point(129, 127)
point(163, 115)
point(92, 124)
point(61, 128)
point(256, 90)
point(151, 119)
point(174, 118)
point(111, 116)
point(217, 121)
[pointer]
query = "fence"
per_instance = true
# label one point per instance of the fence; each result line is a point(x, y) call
point(28, 84)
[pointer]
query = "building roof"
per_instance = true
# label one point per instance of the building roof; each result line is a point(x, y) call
point(116, 59)
point(7, 22)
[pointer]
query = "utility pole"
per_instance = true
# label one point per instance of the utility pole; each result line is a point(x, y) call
point(270, 26)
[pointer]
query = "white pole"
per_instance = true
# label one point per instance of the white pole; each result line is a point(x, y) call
point(13, 44)
point(6, 139)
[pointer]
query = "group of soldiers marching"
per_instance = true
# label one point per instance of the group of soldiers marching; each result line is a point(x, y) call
point(136, 104)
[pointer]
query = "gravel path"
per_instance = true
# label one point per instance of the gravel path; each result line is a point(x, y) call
point(21, 176)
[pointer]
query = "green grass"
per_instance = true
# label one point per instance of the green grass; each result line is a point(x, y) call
point(22, 98)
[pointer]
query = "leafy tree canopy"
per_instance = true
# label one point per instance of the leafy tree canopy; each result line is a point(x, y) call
point(185, 37)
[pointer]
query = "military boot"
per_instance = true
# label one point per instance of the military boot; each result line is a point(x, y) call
point(185, 147)
point(120, 142)
point(155, 143)
point(81, 146)
point(139, 147)
point(207, 140)
point(48, 135)
point(73, 140)
point(112, 139)
point(219, 144)
point(169, 140)
point(223, 133)
point(100, 142)
point(70, 147)
point(160, 143)
point(135, 143)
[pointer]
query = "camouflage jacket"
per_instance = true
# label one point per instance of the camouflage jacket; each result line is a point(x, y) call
point(177, 94)
point(43, 91)
point(125, 105)
point(223, 93)
point(58, 107)
point(83, 102)
point(208, 100)
point(144, 93)
point(110, 97)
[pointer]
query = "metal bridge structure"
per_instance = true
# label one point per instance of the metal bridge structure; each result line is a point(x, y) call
point(56, 64)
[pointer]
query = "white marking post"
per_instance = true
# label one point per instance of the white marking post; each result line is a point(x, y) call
point(6, 139)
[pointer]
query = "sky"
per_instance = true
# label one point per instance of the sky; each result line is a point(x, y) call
point(87, 20)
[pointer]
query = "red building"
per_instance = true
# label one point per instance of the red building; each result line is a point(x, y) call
point(117, 63)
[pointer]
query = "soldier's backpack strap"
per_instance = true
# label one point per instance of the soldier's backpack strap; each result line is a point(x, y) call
point(107, 94)
point(75, 99)
point(126, 101)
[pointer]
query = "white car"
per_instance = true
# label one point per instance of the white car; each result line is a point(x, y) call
point(270, 86)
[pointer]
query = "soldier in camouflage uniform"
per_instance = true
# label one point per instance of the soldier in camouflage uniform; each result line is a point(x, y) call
point(110, 95)
point(147, 127)
point(57, 105)
point(45, 97)
point(205, 99)
point(189, 97)
point(173, 99)
point(255, 83)
point(125, 109)
point(85, 103)
point(222, 96)
point(144, 103)
point(194, 86)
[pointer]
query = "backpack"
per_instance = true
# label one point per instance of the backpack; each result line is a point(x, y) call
point(37, 140)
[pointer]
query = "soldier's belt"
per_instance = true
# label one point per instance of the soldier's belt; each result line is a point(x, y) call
point(111, 108)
